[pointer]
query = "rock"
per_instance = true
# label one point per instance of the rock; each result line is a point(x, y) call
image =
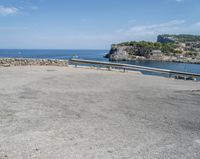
point(165, 39)
point(118, 53)
point(6, 65)
point(179, 51)
point(7, 62)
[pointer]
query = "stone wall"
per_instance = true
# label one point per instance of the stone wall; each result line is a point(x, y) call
point(6, 62)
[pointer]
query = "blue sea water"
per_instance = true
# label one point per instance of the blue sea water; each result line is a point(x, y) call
point(92, 55)
point(53, 54)
point(183, 67)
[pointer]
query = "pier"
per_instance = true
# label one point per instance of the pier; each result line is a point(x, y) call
point(110, 65)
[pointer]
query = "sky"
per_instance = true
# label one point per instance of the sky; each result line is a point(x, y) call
point(92, 24)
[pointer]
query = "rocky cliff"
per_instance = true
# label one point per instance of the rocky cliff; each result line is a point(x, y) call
point(173, 48)
point(182, 38)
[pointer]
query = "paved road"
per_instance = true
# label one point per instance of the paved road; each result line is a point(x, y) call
point(73, 113)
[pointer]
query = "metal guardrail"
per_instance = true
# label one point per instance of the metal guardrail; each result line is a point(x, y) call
point(133, 67)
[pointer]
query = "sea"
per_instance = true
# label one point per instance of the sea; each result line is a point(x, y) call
point(92, 55)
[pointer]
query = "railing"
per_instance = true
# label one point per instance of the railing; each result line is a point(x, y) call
point(133, 67)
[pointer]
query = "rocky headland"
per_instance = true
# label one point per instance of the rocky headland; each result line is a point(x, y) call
point(168, 48)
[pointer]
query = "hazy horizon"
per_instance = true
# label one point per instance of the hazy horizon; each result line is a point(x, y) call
point(49, 24)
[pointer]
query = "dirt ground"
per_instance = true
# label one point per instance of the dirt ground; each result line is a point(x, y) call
point(78, 113)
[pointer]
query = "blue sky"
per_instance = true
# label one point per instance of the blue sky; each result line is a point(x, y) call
point(92, 24)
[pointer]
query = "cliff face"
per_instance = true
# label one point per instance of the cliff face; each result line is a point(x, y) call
point(182, 38)
point(128, 53)
point(165, 39)
point(118, 53)
point(173, 48)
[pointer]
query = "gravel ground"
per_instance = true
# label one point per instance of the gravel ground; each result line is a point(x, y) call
point(78, 113)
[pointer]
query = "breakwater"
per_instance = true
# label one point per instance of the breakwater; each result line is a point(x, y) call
point(6, 62)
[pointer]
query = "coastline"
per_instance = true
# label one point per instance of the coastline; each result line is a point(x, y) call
point(186, 61)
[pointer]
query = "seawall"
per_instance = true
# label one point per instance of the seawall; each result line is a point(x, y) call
point(6, 62)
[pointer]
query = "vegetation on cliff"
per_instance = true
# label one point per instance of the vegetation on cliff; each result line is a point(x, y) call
point(150, 46)
point(179, 48)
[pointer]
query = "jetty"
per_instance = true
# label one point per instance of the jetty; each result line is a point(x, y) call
point(110, 65)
